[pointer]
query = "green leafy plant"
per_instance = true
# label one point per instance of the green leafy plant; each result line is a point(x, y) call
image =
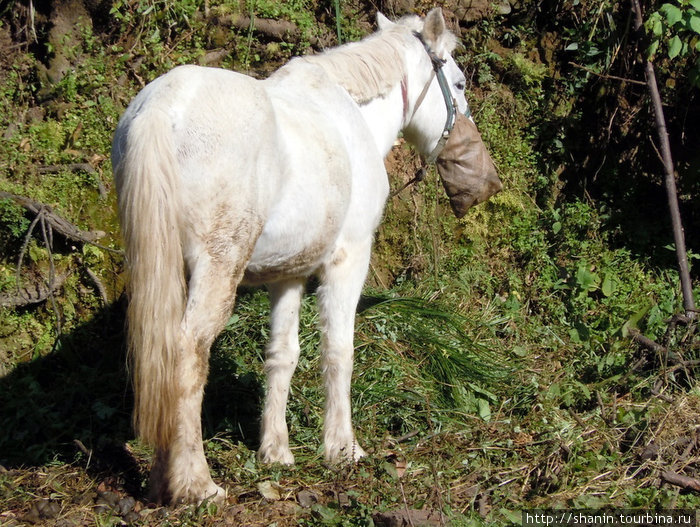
point(439, 340)
point(675, 29)
point(13, 223)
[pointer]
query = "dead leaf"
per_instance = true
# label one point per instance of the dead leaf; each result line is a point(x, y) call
point(270, 490)
point(96, 159)
point(400, 467)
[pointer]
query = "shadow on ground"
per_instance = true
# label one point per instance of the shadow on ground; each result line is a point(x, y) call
point(76, 403)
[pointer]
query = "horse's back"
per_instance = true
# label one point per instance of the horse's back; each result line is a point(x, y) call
point(215, 120)
point(209, 112)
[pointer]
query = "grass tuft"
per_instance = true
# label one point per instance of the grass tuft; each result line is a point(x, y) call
point(435, 337)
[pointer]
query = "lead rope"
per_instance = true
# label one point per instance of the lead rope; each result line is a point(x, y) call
point(417, 178)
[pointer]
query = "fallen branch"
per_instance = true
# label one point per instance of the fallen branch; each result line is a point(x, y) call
point(665, 355)
point(282, 30)
point(649, 344)
point(277, 29)
point(33, 293)
point(49, 222)
point(57, 223)
point(685, 482)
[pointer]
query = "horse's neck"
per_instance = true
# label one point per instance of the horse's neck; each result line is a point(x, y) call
point(384, 117)
point(387, 116)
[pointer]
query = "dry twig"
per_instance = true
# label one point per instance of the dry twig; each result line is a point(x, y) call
point(98, 284)
point(679, 480)
point(670, 178)
point(59, 224)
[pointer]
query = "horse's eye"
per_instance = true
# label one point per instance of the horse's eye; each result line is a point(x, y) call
point(461, 85)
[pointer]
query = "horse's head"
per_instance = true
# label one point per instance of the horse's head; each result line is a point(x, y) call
point(429, 56)
point(437, 119)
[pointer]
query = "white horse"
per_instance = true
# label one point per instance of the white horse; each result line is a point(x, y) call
point(223, 180)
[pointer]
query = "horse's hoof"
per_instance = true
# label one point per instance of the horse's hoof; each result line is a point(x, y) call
point(351, 451)
point(212, 494)
point(215, 495)
point(276, 455)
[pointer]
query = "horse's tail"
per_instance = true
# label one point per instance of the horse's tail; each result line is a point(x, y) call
point(147, 185)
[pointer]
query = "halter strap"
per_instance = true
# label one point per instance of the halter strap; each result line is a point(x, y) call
point(437, 63)
point(423, 93)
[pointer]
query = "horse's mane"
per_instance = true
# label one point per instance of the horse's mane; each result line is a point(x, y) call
point(371, 67)
point(366, 69)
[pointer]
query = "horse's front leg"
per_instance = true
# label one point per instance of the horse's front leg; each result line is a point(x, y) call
point(341, 284)
point(282, 356)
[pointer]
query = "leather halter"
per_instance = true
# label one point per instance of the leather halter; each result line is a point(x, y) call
point(438, 72)
point(437, 63)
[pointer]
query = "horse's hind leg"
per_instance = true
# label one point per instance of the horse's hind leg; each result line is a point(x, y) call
point(180, 472)
point(341, 284)
point(282, 355)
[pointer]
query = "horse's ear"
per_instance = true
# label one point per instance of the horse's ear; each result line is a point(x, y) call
point(383, 22)
point(434, 25)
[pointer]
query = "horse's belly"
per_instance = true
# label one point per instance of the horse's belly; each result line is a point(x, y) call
point(279, 257)
point(302, 263)
point(310, 203)
point(293, 245)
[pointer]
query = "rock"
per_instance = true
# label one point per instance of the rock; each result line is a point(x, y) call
point(307, 498)
point(108, 498)
point(126, 505)
point(44, 509)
